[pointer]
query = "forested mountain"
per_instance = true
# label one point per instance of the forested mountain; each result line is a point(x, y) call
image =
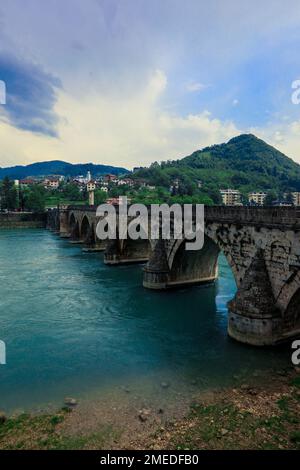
point(245, 163)
point(57, 167)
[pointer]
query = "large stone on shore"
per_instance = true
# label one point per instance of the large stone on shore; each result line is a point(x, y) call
point(224, 431)
point(144, 414)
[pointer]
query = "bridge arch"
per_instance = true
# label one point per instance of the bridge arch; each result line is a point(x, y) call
point(74, 227)
point(197, 266)
point(200, 265)
point(291, 319)
point(72, 220)
point(85, 228)
point(288, 291)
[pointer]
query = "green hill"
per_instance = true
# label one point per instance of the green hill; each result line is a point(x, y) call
point(245, 163)
point(57, 167)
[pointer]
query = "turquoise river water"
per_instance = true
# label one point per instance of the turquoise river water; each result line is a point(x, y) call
point(73, 326)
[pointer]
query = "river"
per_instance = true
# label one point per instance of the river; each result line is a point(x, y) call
point(75, 327)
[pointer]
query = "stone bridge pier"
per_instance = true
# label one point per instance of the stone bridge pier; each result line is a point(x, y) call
point(127, 252)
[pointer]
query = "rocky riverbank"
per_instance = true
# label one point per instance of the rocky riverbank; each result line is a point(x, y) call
point(252, 416)
point(261, 414)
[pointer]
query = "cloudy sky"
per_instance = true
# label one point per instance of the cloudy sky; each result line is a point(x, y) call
point(127, 82)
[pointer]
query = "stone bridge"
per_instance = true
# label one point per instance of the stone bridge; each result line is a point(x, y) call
point(262, 246)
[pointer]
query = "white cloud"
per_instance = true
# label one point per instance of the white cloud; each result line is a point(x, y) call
point(278, 137)
point(128, 131)
point(235, 102)
point(193, 87)
point(284, 136)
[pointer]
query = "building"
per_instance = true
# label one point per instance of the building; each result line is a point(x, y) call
point(292, 198)
point(125, 181)
point(78, 182)
point(231, 197)
point(116, 201)
point(53, 184)
point(281, 203)
point(175, 185)
point(257, 198)
point(296, 198)
point(79, 179)
point(104, 189)
point(140, 182)
point(110, 178)
point(102, 182)
point(27, 182)
point(91, 185)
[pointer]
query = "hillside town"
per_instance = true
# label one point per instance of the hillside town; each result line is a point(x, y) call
point(106, 183)
point(233, 197)
point(55, 189)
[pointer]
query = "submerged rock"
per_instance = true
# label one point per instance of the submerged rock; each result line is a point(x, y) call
point(164, 384)
point(69, 401)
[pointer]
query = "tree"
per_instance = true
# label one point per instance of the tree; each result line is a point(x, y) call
point(214, 194)
point(35, 199)
point(289, 198)
point(100, 197)
point(9, 196)
point(270, 198)
point(71, 191)
point(22, 198)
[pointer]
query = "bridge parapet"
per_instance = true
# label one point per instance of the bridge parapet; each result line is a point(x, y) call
point(262, 216)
